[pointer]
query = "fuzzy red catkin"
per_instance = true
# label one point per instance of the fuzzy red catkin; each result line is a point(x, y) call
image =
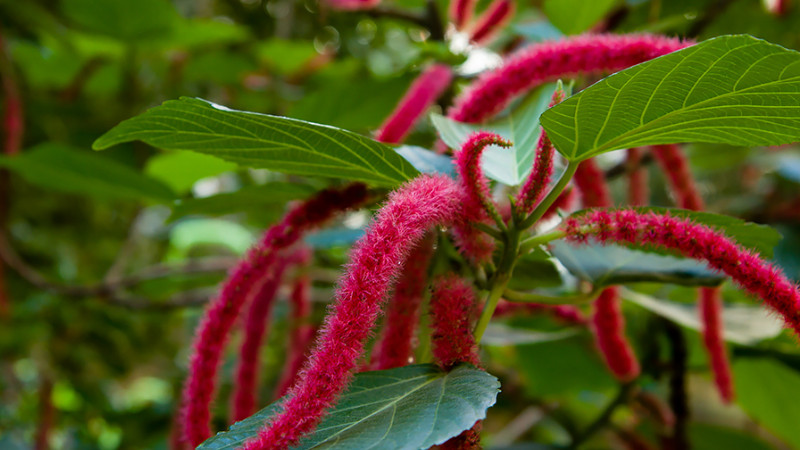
point(497, 14)
point(533, 189)
point(473, 243)
point(638, 192)
point(395, 347)
point(256, 326)
point(711, 315)
point(591, 183)
point(301, 333)
point(428, 86)
point(696, 241)
point(676, 167)
point(213, 330)
point(548, 61)
point(375, 262)
point(452, 306)
point(569, 314)
point(460, 12)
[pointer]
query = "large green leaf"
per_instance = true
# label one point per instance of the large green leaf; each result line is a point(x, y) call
point(260, 140)
point(742, 324)
point(757, 237)
point(509, 166)
point(576, 16)
point(733, 90)
point(63, 168)
point(770, 393)
point(412, 407)
point(611, 264)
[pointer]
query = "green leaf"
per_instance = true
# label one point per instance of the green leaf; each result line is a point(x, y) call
point(576, 16)
point(251, 198)
point(500, 335)
point(735, 90)
point(186, 235)
point(427, 161)
point(535, 270)
point(123, 19)
point(742, 324)
point(756, 237)
point(769, 392)
point(66, 169)
point(711, 437)
point(606, 265)
point(406, 408)
point(264, 141)
point(509, 166)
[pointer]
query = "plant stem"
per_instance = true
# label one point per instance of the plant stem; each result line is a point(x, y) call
point(604, 418)
point(511, 240)
point(551, 197)
point(535, 241)
point(525, 297)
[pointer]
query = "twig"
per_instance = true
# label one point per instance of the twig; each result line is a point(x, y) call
point(678, 400)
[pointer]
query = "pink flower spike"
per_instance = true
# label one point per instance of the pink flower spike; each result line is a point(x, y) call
point(533, 189)
point(395, 348)
point(256, 325)
point(352, 5)
point(608, 325)
point(548, 61)
point(452, 308)
point(375, 262)
point(428, 86)
point(711, 313)
point(468, 166)
point(460, 12)
point(695, 241)
point(243, 281)
point(492, 20)
point(674, 164)
point(638, 192)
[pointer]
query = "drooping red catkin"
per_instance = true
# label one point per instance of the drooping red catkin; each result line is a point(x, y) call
point(473, 243)
point(301, 333)
point(695, 241)
point(460, 12)
point(638, 192)
point(452, 308)
point(428, 86)
point(395, 347)
point(375, 262)
point(352, 5)
point(608, 324)
point(256, 324)
point(569, 314)
point(497, 14)
point(533, 189)
point(548, 61)
point(711, 315)
point(213, 330)
point(674, 164)
point(591, 183)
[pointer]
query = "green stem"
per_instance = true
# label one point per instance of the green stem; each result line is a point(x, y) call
point(551, 196)
point(535, 241)
point(511, 240)
point(491, 304)
point(604, 418)
point(525, 297)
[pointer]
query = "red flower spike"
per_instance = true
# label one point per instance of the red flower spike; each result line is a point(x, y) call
point(256, 324)
point(568, 314)
point(608, 325)
point(533, 189)
point(674, 164)
point(302, 332)
point(395, 348)
point(711, 314)
point(695, 241)
point(376, 261)
point(428, 86)
point(460, 12)
point(492, 20)
point(452, 306)
point(549, 61)
point(591, 182)
point(213, 330)
point(638, 192)
point(467, 440)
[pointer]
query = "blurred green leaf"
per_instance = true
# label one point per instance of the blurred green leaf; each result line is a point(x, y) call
point(734, 90)
point(500, 335)
point(769, 392)
point(427, 161)
point(259, 140)
point(410, 407)
point(63, 168)
point(190, 233)
point(251, 198)
point(711, 437)
point(285, 57)
point(128, 20)
point(181, 170)
point(576, 16)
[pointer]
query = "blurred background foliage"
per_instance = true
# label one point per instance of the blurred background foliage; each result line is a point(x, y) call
point(108, 257)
